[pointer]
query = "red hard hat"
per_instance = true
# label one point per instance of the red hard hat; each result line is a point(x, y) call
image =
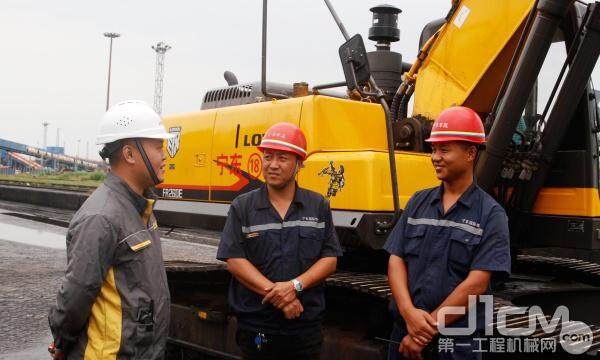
point(458, 123)
point(286, 137)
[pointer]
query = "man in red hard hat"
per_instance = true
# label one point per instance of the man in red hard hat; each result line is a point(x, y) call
point(444, 249)
point(280, 245)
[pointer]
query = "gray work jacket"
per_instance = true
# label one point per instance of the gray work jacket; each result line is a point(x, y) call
point(114, 299)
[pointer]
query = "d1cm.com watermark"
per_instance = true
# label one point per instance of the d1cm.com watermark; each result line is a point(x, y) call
point(575, 336)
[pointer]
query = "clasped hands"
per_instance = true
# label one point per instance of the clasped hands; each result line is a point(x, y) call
point(282, 295)
point(422, 327)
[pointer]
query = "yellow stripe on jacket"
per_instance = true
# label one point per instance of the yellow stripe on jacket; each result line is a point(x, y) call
point(104, 327)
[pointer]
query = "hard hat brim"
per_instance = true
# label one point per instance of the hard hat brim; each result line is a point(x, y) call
point(473, 140)
point(157, 133)
point(281, 148)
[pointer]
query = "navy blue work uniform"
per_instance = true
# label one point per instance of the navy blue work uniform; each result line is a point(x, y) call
point(281, 249)
point(440, 249)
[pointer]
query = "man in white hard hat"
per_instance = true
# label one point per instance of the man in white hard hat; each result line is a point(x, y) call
point(114, 299)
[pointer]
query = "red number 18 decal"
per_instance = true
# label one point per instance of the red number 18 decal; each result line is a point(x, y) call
point(255, 165)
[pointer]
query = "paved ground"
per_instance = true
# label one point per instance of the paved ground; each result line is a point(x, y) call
point(32, 261)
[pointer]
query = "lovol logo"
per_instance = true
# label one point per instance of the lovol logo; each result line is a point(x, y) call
point(247, 139)
point(173, 143)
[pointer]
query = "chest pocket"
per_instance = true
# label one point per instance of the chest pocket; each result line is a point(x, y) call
point(310, 243)
point(133, 246)
point(139, 242)
point(261, 246)
point(414, 236)
point(462, 246)
point(132, 253)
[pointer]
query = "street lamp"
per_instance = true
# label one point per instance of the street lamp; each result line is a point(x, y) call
point(45, 124)
point(111, 36)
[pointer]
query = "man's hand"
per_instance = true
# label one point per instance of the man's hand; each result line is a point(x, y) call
point(293, 309)
point(280, 294)
point(55, 354)
point(410, 349)
point(420, 325)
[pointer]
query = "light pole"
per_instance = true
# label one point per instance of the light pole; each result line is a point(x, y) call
point(57, 146)
point(111, 36)
point(160, 49)
point(45, 124)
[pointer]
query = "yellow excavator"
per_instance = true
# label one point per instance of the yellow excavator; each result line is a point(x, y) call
point(367, 155)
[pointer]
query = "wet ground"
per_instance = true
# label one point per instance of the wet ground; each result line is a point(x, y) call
point(32, 261)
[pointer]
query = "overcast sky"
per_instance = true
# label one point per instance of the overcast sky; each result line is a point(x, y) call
point(54, 57)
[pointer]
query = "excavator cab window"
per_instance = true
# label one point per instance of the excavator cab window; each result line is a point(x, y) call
point(540, 95)
point(580, 143)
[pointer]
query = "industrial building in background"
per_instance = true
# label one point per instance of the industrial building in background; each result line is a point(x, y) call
point(160, 49)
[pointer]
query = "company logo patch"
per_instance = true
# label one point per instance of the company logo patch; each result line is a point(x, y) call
point(252, 235)
point(470, 222)
point(173, 143)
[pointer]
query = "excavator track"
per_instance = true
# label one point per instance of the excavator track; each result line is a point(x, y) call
point(376, 285)
point(587, 272)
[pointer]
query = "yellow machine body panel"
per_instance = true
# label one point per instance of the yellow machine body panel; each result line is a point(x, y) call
point(332, 124)
point(583, 202)
point(214, 158)
point(341, 134)
point(360, 180)
point(472, 53)
point(236, 161)
point(189, 154)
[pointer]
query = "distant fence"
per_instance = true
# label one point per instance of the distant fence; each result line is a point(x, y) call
point(7, 170)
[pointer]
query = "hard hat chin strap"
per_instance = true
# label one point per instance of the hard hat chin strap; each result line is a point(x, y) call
point(149, 167)
point(298, 167)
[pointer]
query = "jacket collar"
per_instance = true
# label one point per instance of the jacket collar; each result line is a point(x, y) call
point(119, 185)
point(465, 199)
point(263, 197)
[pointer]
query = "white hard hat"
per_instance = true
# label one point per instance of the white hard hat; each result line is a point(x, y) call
point(131, 119)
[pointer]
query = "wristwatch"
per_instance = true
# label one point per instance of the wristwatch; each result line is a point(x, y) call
point(297, 285)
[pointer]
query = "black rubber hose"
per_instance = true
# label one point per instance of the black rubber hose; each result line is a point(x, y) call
point(403, 109)
point(396, 101)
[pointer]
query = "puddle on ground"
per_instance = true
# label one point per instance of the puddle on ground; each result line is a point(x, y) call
point(31, 232)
